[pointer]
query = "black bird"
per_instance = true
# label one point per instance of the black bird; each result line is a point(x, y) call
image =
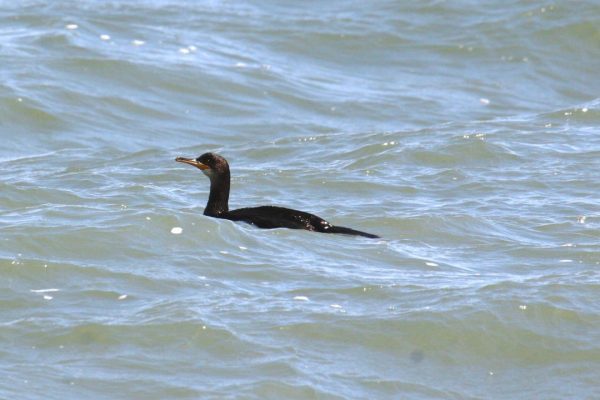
point(216, 168)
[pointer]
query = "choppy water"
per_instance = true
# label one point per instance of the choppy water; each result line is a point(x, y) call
point(465, 134)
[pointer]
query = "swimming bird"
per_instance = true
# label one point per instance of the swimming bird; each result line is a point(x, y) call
point(217, 169)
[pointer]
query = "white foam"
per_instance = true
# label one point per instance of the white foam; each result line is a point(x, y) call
point(122, 297)
point(137, 42)
point(485, 102)
point(44, 290)
point(431, 264)
point(176, 230)
point(104, 37)
point(301, 298)
point(71, 27)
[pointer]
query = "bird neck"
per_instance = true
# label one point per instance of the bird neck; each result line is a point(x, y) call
point(218, 200)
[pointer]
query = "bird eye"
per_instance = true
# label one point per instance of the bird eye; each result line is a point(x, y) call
point(204, 159)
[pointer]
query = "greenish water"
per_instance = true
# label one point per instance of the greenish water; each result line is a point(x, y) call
point(466, 135)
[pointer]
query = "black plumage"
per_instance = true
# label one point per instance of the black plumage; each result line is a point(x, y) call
point(217, 169)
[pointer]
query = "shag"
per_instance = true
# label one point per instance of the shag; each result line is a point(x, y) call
point(217, 169)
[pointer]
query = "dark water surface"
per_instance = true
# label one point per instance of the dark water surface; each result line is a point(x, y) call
point(465, 134)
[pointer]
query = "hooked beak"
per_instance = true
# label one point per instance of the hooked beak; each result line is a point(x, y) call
point(193, 162)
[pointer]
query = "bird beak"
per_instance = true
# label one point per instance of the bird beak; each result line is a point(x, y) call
point(193, 162)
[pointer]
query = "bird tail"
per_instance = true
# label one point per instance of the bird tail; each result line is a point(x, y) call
point(349, 231)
